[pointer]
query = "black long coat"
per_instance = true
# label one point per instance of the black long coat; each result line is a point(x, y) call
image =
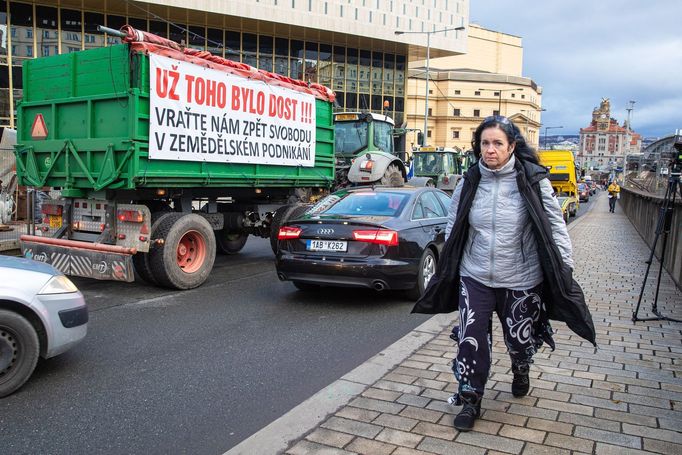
point(564, 299)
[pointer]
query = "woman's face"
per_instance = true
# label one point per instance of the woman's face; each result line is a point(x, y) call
point(495, 148)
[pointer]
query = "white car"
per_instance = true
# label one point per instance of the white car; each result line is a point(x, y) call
point(42, 314)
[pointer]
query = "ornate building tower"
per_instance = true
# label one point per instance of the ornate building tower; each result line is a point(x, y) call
point(604, 144)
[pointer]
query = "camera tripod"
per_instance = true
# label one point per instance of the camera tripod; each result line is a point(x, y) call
point(663, 225)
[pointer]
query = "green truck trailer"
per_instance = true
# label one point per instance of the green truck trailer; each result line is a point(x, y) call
point(165, 156)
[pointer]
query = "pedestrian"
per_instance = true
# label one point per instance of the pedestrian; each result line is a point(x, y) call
point(507, 251)
point(614, 194)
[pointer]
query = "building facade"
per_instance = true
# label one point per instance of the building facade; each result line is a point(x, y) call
point(464, 89)
point(604, 144)
point(348, 45)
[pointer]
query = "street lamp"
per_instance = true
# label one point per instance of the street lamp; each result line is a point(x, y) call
point(428, 51)
point(549, 128)
point(499, 95)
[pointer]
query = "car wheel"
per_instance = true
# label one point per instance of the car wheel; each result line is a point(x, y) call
point(393, 177)
point(427, 267)
point(301, 286)
point(19, 351)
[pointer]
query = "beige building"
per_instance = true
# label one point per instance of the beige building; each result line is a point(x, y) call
point(348, 45)
point(464, 89)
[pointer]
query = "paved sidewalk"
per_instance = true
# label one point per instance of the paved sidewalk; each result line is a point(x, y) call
point(624, 398)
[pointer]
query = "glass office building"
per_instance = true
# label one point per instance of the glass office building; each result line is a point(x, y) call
point(364, 71)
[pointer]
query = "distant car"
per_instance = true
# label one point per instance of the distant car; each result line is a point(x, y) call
point(583, 192)
point(569, 206)
point(378, 238)
point(42, 314)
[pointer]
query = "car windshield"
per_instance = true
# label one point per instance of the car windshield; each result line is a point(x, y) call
point(427, 163)
point(350, 137)
point(582, 187)
point(369, 203)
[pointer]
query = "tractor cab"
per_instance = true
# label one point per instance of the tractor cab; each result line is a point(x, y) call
point(441, 167)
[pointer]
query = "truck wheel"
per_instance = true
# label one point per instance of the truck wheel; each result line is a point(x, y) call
point(393, 177)
point(141, 260)
point(230, 242)
point(427, 267)
point(283, 214)
point(186, 257)
point(19, 350)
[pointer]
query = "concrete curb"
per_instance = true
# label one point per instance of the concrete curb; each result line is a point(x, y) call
point(277, 436)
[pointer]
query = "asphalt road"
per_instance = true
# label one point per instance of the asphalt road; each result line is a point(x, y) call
point(196, 371)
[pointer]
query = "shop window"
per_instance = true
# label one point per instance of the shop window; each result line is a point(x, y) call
point(72, 23)
point(159, 28)
point(311, 56)
point(389, 73)
point(325, 66)
point(196, 37)
point(377, 103)
point(3, 37)
point(339, 68)
point(282, 56)
point(233, 46)
point(364, 71)
point(92, 37)
point(353, 72)
point(377, 71)
point(214, 41)
point(178, 33)
point(364, 101)
point(351, 101)
point(250, 49)
point(400, 75)
point(265, 49)
point(137, 23)
point(296, 61)
point(115, 22)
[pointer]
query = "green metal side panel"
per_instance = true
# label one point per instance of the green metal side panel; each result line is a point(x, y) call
point(95, 104)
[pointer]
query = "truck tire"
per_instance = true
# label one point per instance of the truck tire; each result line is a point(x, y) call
point(230, 242)
point(282, 215)
point(393, 176)
point(19, 351)
point(141, 260)
point(186, 257)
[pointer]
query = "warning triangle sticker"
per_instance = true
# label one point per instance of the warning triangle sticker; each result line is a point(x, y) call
point(39, 129)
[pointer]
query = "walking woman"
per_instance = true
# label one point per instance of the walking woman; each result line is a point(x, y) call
point(508, 252)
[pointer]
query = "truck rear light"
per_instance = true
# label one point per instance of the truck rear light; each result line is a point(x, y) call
point(101, 227)
point(51, 209)
point(378, 236)
point(121, 236)
point(143, 238)
point(132, 216)
point(288, 232)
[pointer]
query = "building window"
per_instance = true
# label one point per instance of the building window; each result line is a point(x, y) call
point(477, 112)
point(496, 93)
point(458, 92)
point(455, 134)
point(428, 134)
point(523, 97)
point(496, 112)
point(513, 95)
point(477, 93)
point(430, 112)
point(456, 112)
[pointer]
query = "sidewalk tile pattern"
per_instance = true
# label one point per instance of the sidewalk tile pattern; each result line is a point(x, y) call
point(623, 398)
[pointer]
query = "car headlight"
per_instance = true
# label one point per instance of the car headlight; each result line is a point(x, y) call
point(58, 284)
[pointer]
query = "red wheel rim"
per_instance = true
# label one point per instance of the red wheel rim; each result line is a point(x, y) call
point(191, 251)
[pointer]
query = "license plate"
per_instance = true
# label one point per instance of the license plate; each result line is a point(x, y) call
point(55, 221)
point(327, 245)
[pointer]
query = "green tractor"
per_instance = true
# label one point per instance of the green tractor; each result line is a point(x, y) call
point(365, 152)
point(440, 167)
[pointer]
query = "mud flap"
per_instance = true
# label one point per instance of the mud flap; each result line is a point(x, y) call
point(100, 265)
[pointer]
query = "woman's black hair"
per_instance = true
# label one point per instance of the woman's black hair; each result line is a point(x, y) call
point(522, 150)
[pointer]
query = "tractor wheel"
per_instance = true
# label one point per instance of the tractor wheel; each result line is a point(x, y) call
point(186, 257)
point(230, 242)
point(392, 176)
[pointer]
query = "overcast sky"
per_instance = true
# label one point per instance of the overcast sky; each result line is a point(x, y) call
point(581, 51)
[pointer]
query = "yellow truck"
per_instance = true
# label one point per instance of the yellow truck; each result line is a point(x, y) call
point(562, 174)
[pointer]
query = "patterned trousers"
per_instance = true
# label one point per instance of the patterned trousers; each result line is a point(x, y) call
point(519, 313)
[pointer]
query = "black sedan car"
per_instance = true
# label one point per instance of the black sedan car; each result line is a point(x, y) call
point(380, 238)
